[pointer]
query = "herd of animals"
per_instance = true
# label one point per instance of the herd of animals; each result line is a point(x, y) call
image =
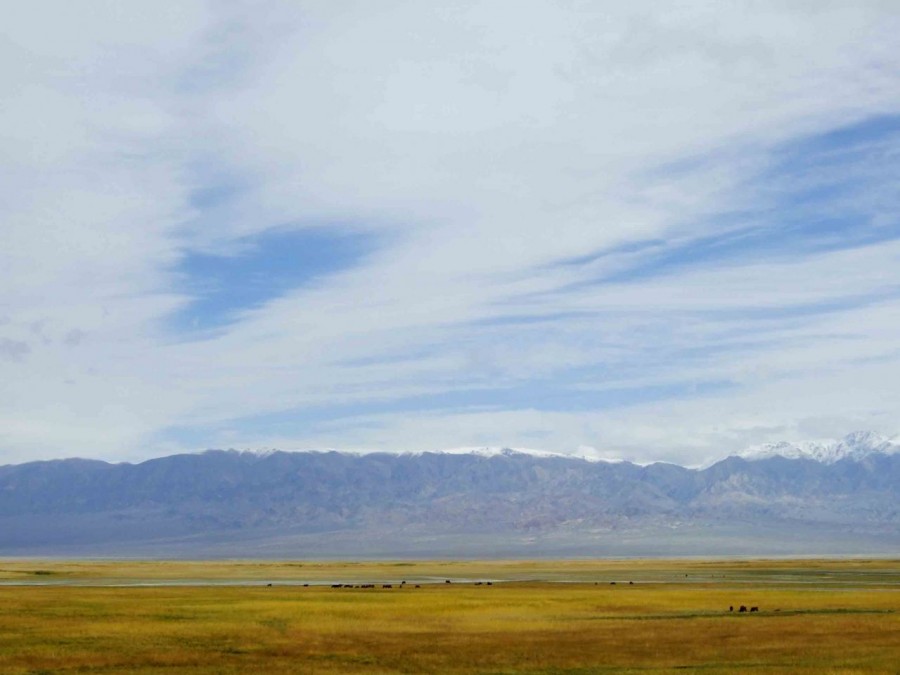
point(402, 584)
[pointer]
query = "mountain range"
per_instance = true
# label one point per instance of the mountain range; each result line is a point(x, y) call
point(836, 497)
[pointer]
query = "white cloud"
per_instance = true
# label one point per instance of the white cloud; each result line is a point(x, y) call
point(484, 143)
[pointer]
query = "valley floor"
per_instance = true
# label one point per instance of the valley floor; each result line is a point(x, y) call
point(814, 616)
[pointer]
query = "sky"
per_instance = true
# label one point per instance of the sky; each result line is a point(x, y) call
point(649, 230)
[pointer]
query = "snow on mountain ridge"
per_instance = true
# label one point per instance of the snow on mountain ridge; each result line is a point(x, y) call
point(586, 453)
point(854, 446)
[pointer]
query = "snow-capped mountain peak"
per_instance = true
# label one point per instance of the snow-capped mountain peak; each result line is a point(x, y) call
point(854, 446)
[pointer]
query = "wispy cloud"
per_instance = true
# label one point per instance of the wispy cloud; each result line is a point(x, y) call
point(663, 232)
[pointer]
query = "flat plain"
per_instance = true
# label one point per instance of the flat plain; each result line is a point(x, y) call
point(569, 616)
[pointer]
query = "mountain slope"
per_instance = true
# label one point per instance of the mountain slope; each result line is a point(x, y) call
point(505, 501)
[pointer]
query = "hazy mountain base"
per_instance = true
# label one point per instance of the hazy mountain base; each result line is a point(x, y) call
point(637, 540)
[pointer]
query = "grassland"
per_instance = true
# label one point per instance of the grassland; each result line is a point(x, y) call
point(816, 616)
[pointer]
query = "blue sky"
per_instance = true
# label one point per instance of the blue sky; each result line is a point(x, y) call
point(640, 232)
point(223, 285)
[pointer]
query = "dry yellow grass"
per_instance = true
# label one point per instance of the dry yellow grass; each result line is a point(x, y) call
point(834, 616)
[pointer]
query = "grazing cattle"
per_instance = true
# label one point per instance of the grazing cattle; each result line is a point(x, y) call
point(490, 583)
point(478, 583)
point(336, 585)
point(447, 581)
point(305, 585)
point(754, 609)
point(269, 585)
point(387, 586)
point(742, 608)
point(730, 608)
point(631, 583)
point(612, 583)
point(417, 586)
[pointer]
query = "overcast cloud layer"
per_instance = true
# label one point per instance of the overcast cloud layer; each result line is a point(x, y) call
point(657, 232)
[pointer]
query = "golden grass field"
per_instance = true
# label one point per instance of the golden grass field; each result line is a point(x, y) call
point(815, 616)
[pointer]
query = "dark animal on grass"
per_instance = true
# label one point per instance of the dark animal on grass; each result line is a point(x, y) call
point(742, 608)
point(730, 608)
point(387, 585)
point(754, 609)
